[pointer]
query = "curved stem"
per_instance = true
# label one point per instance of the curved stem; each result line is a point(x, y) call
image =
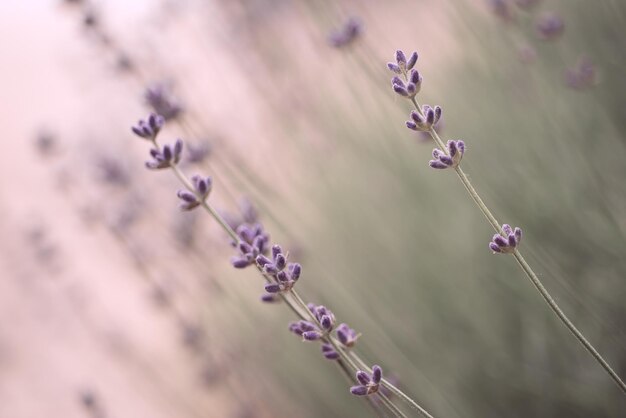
point(525, 267)
point(555, 308)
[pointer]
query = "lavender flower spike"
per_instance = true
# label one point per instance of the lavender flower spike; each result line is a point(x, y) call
point(507, 241)
point(451, 158)
point(369, 383)
point(252, 243)
point(425, 119)
point(202, 188)
point(168, 156)
point(285, 274)
point(150, 127)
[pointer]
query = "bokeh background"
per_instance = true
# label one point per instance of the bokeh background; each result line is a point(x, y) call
point(116, 304)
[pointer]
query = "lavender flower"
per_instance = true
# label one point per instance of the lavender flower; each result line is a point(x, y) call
point(348, 33)
point(424, 120)
point(369, 383)
point(507, 241)
point(286, 274)
point(168, 156)
point(149, 128)
point(270, 298)
point(413, 80)
point(161, 100)
point(196, 154)
point(324, 316)
point(202, 188)
point(346, 335)
point(329, 352)
point(307, 330)
point(252, 243)
point(452, 156)
point(550, 26)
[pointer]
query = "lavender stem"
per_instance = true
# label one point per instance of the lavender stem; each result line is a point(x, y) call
point(526, 268)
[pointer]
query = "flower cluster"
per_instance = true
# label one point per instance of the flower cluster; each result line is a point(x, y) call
point(285, 274)
point(425, 119)
point(404, 67)
point(150, 127)
point(252, 243)
point(450, 158)
point(309, 331)
point(506, 242)
point(348, 33)
point(167, 157)
point(202, 188)
point(369, 382)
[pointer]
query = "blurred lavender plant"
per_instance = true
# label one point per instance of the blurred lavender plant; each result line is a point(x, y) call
point(581, 76)
point(506, 240)
point(550, 26)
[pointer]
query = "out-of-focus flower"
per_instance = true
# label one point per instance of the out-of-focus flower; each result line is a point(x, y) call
point(581, 76)
point(347, 34)
point(550, 26)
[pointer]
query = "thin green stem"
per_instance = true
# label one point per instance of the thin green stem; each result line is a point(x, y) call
point(524, 265)
point(392, 407)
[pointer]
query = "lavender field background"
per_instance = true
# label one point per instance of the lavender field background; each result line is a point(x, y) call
point(117, 304)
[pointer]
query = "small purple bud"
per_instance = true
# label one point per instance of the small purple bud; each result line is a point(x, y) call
point(342, 334)
point(446, 160)
point(272, 288)
point(401, 59)
point(270, 269)
point(262, 260)
point(275, 251)
point(280, 262)
point(417, 117)
point(415, 77)
point(240, 262)
point(437, 164)
point(500, 241)
point(358, 390)
point(452, 147)
point(281, 276)
point(438, 112)
point(397, 81)
point(178, 149)
point(461, 146)
point(311, 335)
point(512, 241)
point(269, 298)
point(494, 247)
point(363, 377)
point(244, 247)
point(411, 125)
point(295, 271)
point(326, 322)
point(507, 229)
point(377, 374)
point(518, 234)
point(412, 60)
point(411, 89)
point(394, 67)
point(400, 90)
point(167, 153)
point(430, 116)
point(186, 196)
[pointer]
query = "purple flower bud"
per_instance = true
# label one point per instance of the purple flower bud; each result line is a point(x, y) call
point(329, 352)
point(240, 262)
point(394, 67)
point(437, 164)
point(415, 77)
point(280, 262)
point(311, 335)
point(518, 234)
point(507, 229)
point(295, 270)
point(262, 260)
point(512, 242)
point(272, 288)
point(377, 374)
point(276, 250)
point(507, 241)
point(411, 125)
point(178, 149)
point(270, 298)
point(326, 323)
point(167, 153)
point(446, 160)
point(281, 276)
point(401, 59)
point(494, 247)
point(452, 147)
point(363, 377)
point(500, 241)
point(550, 26)
point(400, 90)
point(359, 390)
point(187, 196)
point(412, 60)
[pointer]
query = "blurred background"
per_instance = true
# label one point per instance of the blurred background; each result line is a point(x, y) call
point(117, 304)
